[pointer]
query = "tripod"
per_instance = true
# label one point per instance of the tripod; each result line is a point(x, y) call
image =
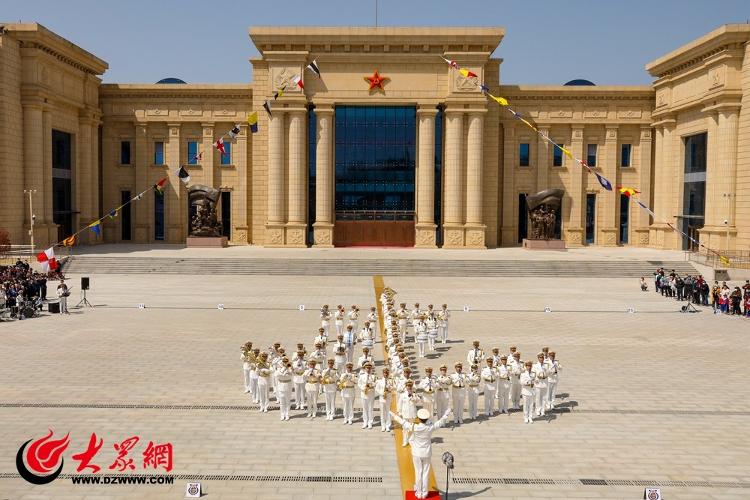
point(84, 301)
point(689, 308)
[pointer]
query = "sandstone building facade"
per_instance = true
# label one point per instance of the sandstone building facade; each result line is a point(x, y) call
point(425, 160)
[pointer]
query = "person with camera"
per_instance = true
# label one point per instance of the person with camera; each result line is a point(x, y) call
point(63, 293)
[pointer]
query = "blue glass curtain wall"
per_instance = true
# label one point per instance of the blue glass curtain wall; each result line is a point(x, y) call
point(694, 188)
point(439, 176)
point(312, 135)
point(375, 162)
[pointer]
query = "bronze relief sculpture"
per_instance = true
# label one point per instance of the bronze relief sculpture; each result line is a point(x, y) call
point(542, 208)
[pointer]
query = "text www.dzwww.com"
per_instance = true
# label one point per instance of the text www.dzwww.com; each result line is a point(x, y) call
point(142, 479)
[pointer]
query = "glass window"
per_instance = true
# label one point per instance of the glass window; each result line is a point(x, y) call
point(694, 188)
point(375, 161)
point(158, 216)
point(625, 156)
point(124, 152)
point(591, 155)
point(226, 159)
point(523, 154)
point(557, 156)
point(624, 218)
point(311, 171)
point(192, 152)
point(695, 153)
point(159, 153)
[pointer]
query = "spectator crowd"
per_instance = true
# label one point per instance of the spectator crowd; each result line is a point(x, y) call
point(696, 290)
point(20, 286)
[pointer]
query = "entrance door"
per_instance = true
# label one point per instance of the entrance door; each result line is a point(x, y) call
point(523, 218)
point(226, 214)
point(375, 175)
point(590, 218)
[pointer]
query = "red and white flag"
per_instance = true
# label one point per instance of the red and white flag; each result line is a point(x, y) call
point(297, 80)
point(220, 145)
point(47, 260)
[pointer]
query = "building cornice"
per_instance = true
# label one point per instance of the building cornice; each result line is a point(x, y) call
point(582, 93)
point(35, 36)
point(175, 91)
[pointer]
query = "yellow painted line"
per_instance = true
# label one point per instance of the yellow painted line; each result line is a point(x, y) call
point(403, 454)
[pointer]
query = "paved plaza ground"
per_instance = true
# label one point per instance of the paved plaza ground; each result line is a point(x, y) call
point(651, 398)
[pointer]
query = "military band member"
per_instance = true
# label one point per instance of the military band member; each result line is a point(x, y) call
point(489, 377)
point(366, 384)
point(428, 386)
point(420, 331)
point(516, 367)
point(339, 359)
point(403, 320)
point(329, 378)
point(284, 376)
point(442, 396)
point(409, 401)
point(472, 393)
point(338, 343)
point(321, 338)
point(540, 385)
point(298, 368)
point(552, 379)
point(385, 388)
point(401, 381)
point(350, 339)
point(276, 363)
point(503, 385)
point(512, 355)
point(347, 381)
point(432, 331)
point(415, 313)
point(325, 319)
point(443, 317)
point(319, 354)
point(353, 316)
point(527, 391)
point(312, 387)
point(246, 355)
point(372, 317)
point(264, 374)
point(545, 351)
point(339, 319)
point(430, 313)
point(365, 358)
point(367, 339)
point(495, 357)
point(254, 377)
point(458, 393)
point(475, 355)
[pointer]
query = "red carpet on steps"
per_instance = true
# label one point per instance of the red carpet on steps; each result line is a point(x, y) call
point(432, 495)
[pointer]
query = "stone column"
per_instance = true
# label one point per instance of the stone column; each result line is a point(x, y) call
point(296, 227)
point(82, 179)
point(610, 200)
point(94, 192)
point(48, 227)
point(543, 160)
point(240, 229)
point(721, 181)
point(509, 209)
point(141, 214)
point(453, 189)
point(425, 226)
point(209, 154)
point(175, 195)
point(673, 177)
point(574, 232)
point(474, 166)
point(33, 171)
point(639, 218)
point(324, 177)
point(276, 217)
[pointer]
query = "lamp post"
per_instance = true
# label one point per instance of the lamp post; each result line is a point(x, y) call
point(30, 192)
point(448, 461)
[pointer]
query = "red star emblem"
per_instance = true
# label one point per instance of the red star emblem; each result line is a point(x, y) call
point(376, 81)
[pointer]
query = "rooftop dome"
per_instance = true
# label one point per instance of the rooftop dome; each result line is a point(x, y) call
point(580, 81)
point(177, 80)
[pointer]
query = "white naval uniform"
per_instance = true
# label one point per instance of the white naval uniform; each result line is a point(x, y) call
point(264, 374)
point(432, 332)
point(366, 339)
point(403, 321)
point(552, 379)
point(503, 388)
point(515, 383)
point(329, 379)
point(372, 317)
point(421, 449)
point(339, 322)
point(319, 355)
point(246, 369)
point(400, 381)
point(339, 361)
point(385, 387)
point(254, 382)
point(443, 316)
point(420, 330)
point(312, 387)
point(489, 377)
point(284, 377)
point(325, 321)
point(429, 386)
point(364, 359)
point(442, 396)
point(527, 391)
point(366, 384)
point(298, 366)
point(409, 404)
point(540, 388)
point(475, 357)
point(458, 396)
point(472, 393)
point(348, 380)
point(353, 316)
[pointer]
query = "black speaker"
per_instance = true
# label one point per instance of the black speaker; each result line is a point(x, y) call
point(53, 307)
point(84, 282)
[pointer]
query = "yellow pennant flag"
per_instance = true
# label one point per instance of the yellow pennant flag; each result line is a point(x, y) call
point(500, 100)
point(566, 152)
point(69, 241)
point(724, 260)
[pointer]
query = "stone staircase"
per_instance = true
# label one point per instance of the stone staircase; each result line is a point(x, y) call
point(367, 267)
